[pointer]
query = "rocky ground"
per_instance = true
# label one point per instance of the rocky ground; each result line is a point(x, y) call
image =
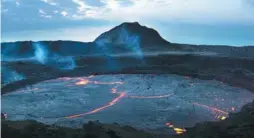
point(32, 129)
point(124, 99)
point(233, 71)
point(239, 125)
point(237, 72)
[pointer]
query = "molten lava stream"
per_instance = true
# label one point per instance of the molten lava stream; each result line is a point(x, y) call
point(113, 102)
point(151, 97)
point(117, 82)
point(176, 129)
point(84, 81)
point(211, 108)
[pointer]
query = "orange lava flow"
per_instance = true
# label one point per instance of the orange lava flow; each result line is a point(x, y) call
point(65, 78)
point(211, 108)
point(82, 82)
point(70, 78)
point(176, 129)
point(113, 90)
point(169, 125)
point(233, 108)
point(151, 97)
point(113, 102)
point(117, 82)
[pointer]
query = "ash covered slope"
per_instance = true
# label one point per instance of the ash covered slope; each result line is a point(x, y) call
point(133, 36)
point(123, 33)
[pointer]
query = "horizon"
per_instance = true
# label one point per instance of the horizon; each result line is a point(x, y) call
point(84, 20)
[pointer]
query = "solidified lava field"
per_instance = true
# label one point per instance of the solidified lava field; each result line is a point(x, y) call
point(151, 101)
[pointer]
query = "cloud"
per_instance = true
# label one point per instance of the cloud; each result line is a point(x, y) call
point(191, 11)
point(84, 34)
point(44, 14)
point(41, 11)
point(198, 11)
point(84, 10)
point(51, 2)
point(163, 15)
point(17, 3)
point(82, 6)
point(64, 13)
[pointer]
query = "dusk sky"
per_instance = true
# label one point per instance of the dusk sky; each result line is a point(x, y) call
point(217, 22)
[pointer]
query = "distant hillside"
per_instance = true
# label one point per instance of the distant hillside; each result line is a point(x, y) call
point(125, 38)
point(135, 37)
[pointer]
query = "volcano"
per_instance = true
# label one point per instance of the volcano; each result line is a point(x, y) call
point(124, 38)
point(144, 101)
point(133, 35)
point(125, 48)
point(130, 75)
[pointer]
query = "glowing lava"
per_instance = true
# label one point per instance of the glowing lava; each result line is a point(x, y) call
point(211, 108)
point(113, 102)
point(176, 129)
point(117, 82)
point(179, 130)
point(82, 82)
point(233, 108)
point(156, 95)
point(85, 80)
point(151, 97)
point(169, 125)
point(113, 90)
point(223, 117)
point(65, 78)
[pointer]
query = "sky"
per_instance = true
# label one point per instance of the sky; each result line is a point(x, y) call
point(211, 22)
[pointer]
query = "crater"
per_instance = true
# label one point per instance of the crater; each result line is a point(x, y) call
point(145, 101)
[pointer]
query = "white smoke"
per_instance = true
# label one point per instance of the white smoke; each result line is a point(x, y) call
point(9, 75)
point(44, 56)
point(40, 53)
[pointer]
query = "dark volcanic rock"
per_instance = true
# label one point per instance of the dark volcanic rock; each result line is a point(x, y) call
point(32, 129)
point(130, 34)
point(237, 72)
point(238, 125)
point(26, 49)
